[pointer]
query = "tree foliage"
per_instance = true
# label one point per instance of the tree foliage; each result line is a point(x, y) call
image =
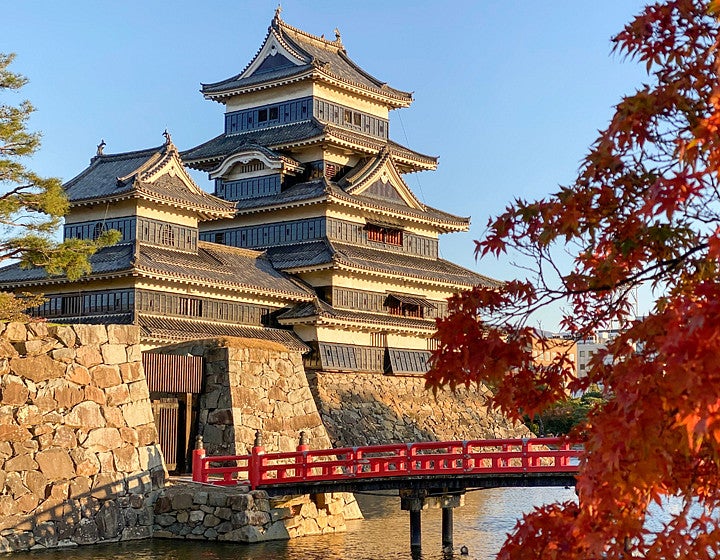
point(644, 209)
point(562, 417)
point(31, 207)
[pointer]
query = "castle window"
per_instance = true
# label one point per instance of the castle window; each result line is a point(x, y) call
point(98, 230)
point(357, 119)
point(262, 115)
point(191, 307)
point(378, 339)
point(348, 116)
point(273, 113)
point(167, 235)
point(382, 234)
point(220, 237)
point(407, 305)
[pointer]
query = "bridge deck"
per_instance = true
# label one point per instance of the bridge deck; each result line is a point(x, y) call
point(437, 466)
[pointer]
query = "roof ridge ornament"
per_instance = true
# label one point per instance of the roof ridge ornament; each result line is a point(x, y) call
point(338, 39)
point(100, 147)
point(278, 11)
point(168, 139)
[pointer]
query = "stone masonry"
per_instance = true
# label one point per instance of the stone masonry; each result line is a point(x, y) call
point(202, 512)
point(253, 385)
point(367, 409)
point(79, 460)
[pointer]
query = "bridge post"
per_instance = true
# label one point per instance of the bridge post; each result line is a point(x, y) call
point(447, 528)
point(414, 502)
point(255, 459)
point(198, 474)
point(415, 530)
point(301, 469)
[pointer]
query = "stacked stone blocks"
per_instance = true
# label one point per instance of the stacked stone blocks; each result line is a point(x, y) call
point(202, 512)
point(79, 460)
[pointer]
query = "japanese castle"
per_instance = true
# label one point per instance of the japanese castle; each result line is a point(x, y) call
point(312, 237)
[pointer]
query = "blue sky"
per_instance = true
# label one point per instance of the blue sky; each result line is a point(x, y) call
point(508, 93)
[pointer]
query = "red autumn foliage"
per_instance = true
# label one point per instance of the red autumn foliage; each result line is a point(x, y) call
point(644, 209)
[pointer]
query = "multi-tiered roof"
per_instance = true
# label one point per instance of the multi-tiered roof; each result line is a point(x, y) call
point(312, 235)
point(318, 185)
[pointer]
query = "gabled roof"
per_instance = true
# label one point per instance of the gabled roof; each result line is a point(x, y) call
point(210, 154)
point(289, 54)
point(256, 152)
point(379, 178)
point(326, 254)
point(320, 191)
point(155, 174)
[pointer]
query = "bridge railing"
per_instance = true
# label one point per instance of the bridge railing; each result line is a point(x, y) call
point(491, 456)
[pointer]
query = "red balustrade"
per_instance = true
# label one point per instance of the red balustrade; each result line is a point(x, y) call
point(490, 456)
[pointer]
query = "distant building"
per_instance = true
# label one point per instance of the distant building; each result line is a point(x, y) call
point(588, 347)
point(311, 238)
point(554, 345)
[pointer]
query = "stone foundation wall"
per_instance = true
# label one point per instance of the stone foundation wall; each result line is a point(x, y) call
point(253, 385)
point(202, 512)
point(369, 409)
point(79, 460)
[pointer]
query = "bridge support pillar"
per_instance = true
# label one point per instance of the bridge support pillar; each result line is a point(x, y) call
point(417, 500)
point(447, 528)
point(414, 502)
point(415, 530)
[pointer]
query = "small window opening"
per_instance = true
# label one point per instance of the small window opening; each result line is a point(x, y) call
point(262, 115)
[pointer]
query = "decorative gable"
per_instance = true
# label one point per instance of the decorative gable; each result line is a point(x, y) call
point(379, 178)
point(275, 54)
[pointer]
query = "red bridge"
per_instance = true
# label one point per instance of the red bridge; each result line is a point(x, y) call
point(519, 462)
point(440, 471)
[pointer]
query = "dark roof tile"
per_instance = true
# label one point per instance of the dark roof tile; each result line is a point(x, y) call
point(316, 52)
point(319, 253)
point(118, 175)
point(173, 329)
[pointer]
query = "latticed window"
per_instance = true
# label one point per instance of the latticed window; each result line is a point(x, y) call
point(167, 235)
point(378, 339)
point(98, 230)
point(381, 234)
point(191, 307)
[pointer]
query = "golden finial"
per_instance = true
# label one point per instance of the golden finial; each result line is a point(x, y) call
point(278, 11)
point(337, 36)
point(100, 148)
point(168, 140)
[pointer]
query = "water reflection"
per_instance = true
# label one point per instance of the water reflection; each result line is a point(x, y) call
point(481, 525)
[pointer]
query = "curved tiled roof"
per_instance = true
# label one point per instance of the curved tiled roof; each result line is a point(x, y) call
point(212, 264)
point(106, 261)
point(312, 131)
point(313, 54)
point(325, 253)
point(134, 174)
point(320, 190)
point(226, 144)
point(174, 329)
point(222, 265)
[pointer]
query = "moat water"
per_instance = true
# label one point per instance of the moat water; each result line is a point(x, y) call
point(481, 524)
